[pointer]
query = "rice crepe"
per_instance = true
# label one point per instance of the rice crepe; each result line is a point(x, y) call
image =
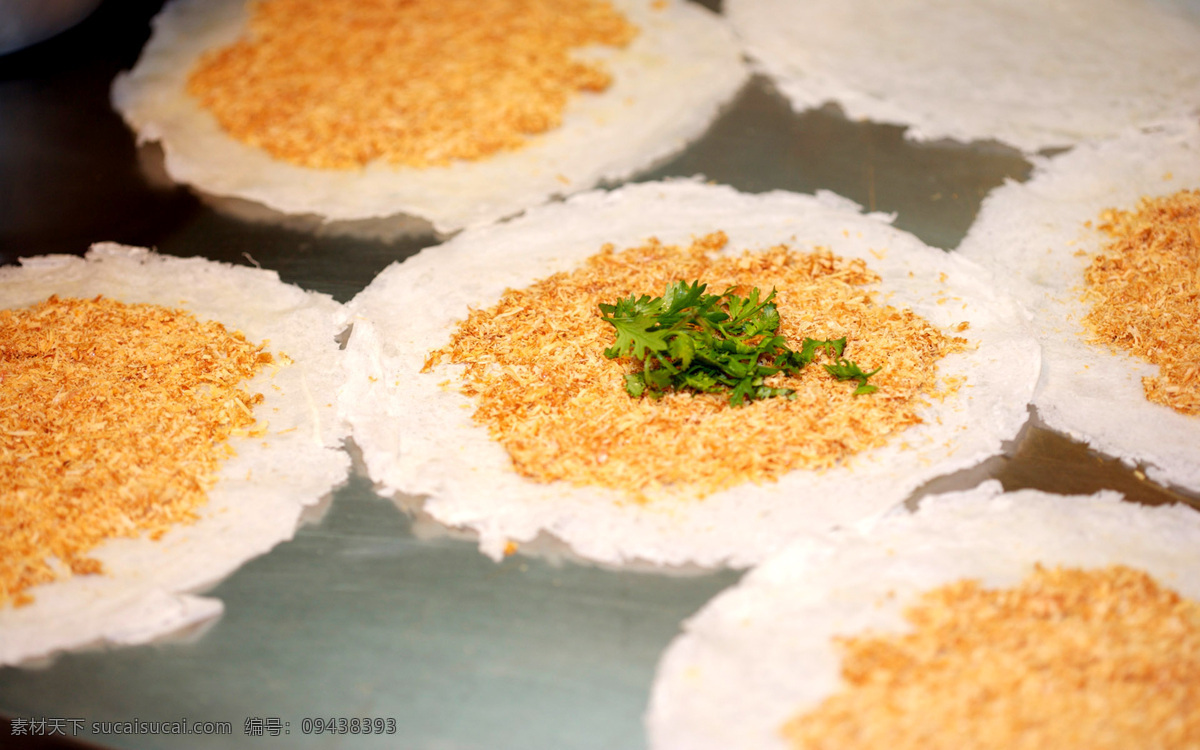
point(768, 649)
point(288, 460)
point(667, 84)
point(415, 427)
point(1041, 237)
point(1030, 75)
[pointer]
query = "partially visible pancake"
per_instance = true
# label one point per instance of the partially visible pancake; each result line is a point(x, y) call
point(766, 651)
point(1040, 237)
point(144, 585)
point(667, 84)
point(417, 434)
point(1031, 75)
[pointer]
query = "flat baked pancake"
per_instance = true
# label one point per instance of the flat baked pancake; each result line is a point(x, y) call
point(664, 86)
point(599, 471)
point(1031, 75)
point(1042, 236)
point(135, 587)
point(774, 648)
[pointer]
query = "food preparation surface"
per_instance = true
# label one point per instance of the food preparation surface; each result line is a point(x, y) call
point(372, 612)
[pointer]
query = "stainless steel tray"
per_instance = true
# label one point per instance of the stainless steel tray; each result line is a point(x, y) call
point(365, 614)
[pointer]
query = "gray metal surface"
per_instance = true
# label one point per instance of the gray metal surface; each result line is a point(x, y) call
point(365, 614)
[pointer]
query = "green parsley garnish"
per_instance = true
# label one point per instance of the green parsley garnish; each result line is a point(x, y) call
point(844, 369)
point(689, 340)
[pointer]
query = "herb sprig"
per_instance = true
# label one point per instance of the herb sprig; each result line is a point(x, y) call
point(690, 340)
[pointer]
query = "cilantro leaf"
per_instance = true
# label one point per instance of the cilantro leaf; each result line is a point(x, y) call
point(844, 369)
point(690, 340)
point(635, 384)
point(832, 348)
point(635, 321)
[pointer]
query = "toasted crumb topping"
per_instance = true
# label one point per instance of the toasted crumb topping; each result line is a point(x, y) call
point(1145, 292)
point(113, 419)
point(1069, 658)
point(535, 365)
point(339, 83)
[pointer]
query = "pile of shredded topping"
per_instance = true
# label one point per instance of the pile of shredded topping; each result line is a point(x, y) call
point(339, 83)
point(113, 419)
point(1067, 659)
point(1145, 292)
point(535, 365)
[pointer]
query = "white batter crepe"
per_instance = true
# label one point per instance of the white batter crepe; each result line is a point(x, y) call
point(418, 437)
point(147, 588)
point(1032, 235)
point(668, 84)
point(760, 653)
point(1031, 74)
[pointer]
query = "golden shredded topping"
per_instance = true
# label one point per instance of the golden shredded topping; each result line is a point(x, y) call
point(535, 365)
point(1067, 659)
point(1145, 293)
point(339, 83)
point(113, 419)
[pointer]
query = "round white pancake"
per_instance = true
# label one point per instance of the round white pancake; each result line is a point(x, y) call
point(1033, 236)
point(146, 589)
point(417, 437)
point(1030, 74)
point(668, 84)
point(761, 652)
